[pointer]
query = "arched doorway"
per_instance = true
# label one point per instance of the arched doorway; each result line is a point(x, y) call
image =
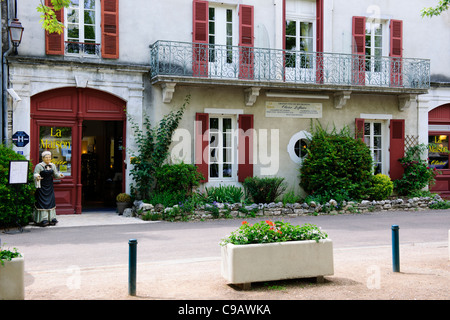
point(85, 131)
point(438, 151)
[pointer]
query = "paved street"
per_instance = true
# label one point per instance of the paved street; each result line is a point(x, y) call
point(98, 243)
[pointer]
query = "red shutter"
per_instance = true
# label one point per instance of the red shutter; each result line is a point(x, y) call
point(110, 29)
point(319, 41)
point(245, 147)
point(359, 50)
point(396, 48)
point(397, 147)
point(246, 42)
point(54, 42)
point(200, 34)
point(359, 129)
point(201, 144)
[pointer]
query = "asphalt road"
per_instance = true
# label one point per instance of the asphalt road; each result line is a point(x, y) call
point(98, 246)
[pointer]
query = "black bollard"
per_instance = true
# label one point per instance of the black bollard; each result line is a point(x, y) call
point(132, 267)
point(395, 249)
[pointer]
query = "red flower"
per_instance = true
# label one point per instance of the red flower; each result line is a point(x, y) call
point(244, 222)
point(270, 223)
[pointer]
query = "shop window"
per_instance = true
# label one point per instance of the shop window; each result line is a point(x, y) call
point(438, 154)
point(57, 140)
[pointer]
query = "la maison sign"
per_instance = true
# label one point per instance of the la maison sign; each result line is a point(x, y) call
point(293, 110)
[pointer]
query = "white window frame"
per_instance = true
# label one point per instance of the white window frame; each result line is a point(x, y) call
point(81, 27)
point(234, 143)
point(384, 119)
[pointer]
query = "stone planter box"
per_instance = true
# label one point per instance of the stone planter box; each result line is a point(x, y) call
point(12, 284)
point(244, 264)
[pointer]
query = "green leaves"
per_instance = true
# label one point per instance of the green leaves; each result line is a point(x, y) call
point(152, 150)
point(48, 15)
point(268, 232)
point(335, 162)
point(436, 11)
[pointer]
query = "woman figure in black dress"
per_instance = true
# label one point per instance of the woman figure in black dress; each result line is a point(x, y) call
point(45, 206)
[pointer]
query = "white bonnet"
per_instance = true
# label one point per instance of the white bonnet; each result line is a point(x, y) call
point(46, 153)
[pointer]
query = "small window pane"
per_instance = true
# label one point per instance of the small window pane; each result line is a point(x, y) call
point(89, 17)
point(227, 170)
point(291, 28)
point(214, 123)
point(89, 4)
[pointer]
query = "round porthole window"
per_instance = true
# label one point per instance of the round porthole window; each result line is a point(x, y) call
point(297, 146)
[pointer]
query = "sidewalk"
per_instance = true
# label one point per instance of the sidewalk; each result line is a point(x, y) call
point(93, 218)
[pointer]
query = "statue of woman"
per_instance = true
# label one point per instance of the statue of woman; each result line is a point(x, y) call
point(44, 172)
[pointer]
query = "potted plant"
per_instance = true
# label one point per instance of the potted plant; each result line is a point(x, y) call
point(12, 274)
point(269, 251)
point(123, 200)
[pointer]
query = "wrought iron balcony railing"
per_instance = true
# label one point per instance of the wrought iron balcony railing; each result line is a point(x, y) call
point(82, 48)
point(183, 59)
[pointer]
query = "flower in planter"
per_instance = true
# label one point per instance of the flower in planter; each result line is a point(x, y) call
point(269, 231)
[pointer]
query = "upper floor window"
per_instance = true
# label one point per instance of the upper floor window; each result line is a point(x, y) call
point(374, 46)
point(82, 33)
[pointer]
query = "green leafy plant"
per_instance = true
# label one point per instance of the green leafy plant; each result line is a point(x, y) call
point(417, 174)
point(152, 150)
point(336, 163)
point(381, 188)
point(290, 197)
point(177, 178)
point(268, 231)
point(16, 201)
point(224, 194)
point(8, 255)
point(166, 198)
point(264, 190)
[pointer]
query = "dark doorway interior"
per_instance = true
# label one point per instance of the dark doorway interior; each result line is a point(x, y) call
point(101, 163)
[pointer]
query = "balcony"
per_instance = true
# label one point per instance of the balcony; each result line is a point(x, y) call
point(193, 63)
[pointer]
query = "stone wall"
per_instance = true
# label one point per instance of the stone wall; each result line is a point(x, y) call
point(238, 210)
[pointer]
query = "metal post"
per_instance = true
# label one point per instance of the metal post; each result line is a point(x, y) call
point(395, 249)
point(132, 267)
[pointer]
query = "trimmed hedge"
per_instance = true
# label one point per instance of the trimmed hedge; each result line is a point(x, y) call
point(16, 201)
point(336, 163)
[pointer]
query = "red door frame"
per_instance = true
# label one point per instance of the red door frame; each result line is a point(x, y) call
point(68, 107)
point(441, 116)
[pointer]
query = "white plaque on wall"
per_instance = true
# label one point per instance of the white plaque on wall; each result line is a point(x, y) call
point(293, 110)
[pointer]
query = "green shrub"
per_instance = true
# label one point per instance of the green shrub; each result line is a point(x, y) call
point(382, 187)
point(152, 144)
point(336, 163)
point(166, 198)
point(440, 205)
point(123, 197)
point(417, 174)
point(290, 197)
point(224, 194)
point(16, 201)
point(177, 178)
point(264, 190)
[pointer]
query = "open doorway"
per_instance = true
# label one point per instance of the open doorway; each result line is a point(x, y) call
point(101, 163)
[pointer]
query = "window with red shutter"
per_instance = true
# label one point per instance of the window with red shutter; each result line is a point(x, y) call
point(246, 42)
point(396, 48)
point(319, 41)
point(200, 38)
point(359, 50)
point(110, 29)
point(54, 42)
point(245, 165)
point(397, 147)
point(201, 144)
point(359, 129)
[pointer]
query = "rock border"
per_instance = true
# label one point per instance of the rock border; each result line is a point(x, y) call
point(238, 210)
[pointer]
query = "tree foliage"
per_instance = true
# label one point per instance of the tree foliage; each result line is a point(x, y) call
point(48, 15)
point(436, 11)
